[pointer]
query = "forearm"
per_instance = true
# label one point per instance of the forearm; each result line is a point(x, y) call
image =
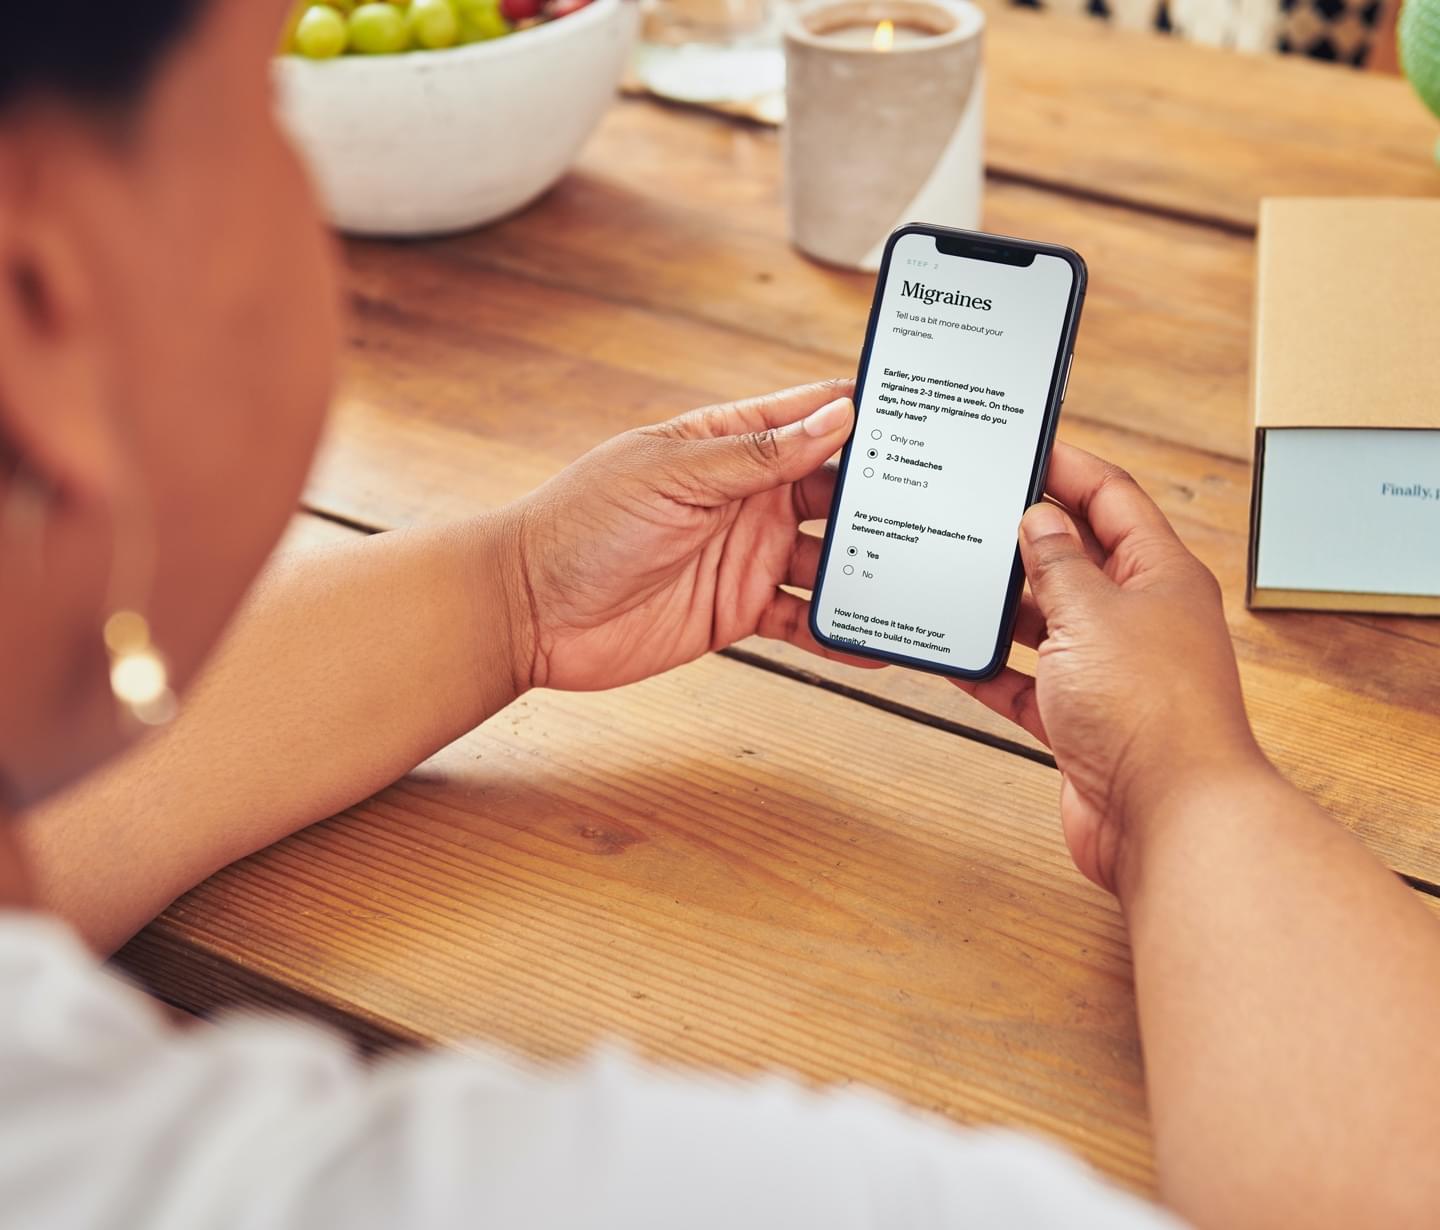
point(1288, 989)
point(347, 667)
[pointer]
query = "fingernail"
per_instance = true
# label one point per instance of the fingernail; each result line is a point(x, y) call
point(1043, 520)
point(829, 418)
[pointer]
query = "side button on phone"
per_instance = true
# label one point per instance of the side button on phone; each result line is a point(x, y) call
point(1065, 387)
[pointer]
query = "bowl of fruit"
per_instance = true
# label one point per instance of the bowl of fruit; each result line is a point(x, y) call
point(432, 116)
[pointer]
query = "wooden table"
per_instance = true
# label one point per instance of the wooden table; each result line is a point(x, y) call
point(762, 860)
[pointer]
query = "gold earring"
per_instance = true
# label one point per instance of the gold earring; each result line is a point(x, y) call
point(139, 674)
point(139, 677)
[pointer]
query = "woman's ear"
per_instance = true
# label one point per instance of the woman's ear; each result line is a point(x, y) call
point(52, 394)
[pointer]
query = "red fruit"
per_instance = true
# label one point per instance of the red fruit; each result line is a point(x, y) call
point(563, 8)
point(515, 11)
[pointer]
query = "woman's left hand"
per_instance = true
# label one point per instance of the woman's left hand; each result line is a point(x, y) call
point(670, 541)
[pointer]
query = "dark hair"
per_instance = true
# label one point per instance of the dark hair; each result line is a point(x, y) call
point(96, 52)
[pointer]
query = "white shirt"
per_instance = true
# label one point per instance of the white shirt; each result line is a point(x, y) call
point(111, 1118)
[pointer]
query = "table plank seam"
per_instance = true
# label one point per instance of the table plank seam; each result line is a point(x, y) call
point(375, 304)
point(898, 708)
point(1114, 200)
point(1420, 885)
point(1373, 624)
point(340, 519)
point(225, 986)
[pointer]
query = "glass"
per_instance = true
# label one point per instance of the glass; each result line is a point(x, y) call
point(714, 52)
point(673, 23)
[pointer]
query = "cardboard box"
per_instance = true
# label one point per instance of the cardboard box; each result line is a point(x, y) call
point(1345, 506)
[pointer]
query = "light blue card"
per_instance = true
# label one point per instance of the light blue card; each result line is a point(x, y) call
point(1352, 510)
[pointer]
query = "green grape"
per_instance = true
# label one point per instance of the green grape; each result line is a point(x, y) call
point(434, 24)
point(481, 20)
point(343, 6)
point(378, 29)
point(320, 33)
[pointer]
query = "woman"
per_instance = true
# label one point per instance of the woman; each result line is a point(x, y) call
point(166, 326)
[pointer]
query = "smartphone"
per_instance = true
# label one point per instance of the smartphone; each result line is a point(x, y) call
point(966, 361)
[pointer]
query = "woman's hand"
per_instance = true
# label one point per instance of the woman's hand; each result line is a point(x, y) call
point(670, 541)
point(1136, 688)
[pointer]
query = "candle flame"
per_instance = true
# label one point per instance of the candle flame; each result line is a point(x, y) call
point(884, 36)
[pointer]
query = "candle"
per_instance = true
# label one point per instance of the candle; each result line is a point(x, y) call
point(884, 35)
point(884, 102)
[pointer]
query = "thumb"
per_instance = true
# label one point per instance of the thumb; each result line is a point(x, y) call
point(1062, 576)
point(729, 468)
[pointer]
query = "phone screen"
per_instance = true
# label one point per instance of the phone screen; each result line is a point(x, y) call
point(953, 408)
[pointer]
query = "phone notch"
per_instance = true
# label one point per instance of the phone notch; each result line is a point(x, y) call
point(985, 250)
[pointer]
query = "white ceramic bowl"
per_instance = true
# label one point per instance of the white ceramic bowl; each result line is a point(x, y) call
point(434, 141)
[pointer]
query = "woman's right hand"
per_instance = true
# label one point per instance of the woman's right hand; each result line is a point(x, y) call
point(1136, 688)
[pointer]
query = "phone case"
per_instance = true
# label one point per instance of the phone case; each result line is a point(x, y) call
point(982, 246)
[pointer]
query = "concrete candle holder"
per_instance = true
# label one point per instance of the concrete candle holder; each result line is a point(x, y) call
point(885, 122)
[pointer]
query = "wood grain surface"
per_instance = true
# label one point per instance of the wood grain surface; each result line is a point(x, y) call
point(711, 868)
point(658, 278)
point(1155, 121)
